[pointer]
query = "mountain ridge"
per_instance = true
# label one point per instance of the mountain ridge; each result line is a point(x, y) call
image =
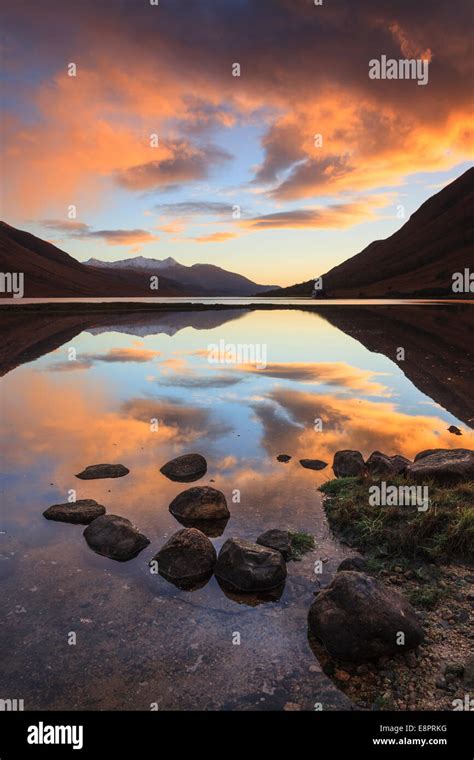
point(418, 260)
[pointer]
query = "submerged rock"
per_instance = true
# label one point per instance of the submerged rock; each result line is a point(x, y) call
point(198, 504)
point(115, 537)
point(185, 468)
point(382, 465)
point(445, 466)
point(279, 540)
point(80, 512)
point(187, 557)
point(313, 464)
point(95, 471)
point(250, 567)
point(358, 619)
point(348, 464)
point(356, 564)
point(283, 457)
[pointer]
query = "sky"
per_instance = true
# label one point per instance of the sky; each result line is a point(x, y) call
point(155, 147)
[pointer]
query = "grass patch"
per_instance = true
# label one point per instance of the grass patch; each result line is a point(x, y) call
point(443, 533)
point(301, 544)
point(427, 597)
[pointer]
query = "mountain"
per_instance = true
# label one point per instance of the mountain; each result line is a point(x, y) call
point(201, 279)
point(416, 261)
point(50, 272)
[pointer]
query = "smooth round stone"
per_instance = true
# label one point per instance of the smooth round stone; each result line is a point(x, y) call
point(187, 557)
point(115, 537)
point(95, 471)
point(279, 540)
point(313, 464)
point(185, 468)
point(80, 512)
point(250, 567)
point(198, 504)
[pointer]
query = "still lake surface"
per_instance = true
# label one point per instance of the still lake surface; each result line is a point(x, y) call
point(139, 639)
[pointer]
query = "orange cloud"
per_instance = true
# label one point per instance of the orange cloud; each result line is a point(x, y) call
point(215, 237)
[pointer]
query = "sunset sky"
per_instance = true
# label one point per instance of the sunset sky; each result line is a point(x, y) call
point(224, 140)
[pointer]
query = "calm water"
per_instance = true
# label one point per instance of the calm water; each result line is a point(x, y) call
point(140, 640)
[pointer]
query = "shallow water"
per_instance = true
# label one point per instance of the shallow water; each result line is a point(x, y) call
point(139, 639)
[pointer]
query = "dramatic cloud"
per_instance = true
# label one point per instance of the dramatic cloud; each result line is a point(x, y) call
point(111, 237)
point(337, 215)
point(215, 237)
point(326, 373)
point(195, 208)
point(325, 128)
point(87, 360)
point(184, 163)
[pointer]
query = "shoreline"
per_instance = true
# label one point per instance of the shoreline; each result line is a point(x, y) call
point(102, 307)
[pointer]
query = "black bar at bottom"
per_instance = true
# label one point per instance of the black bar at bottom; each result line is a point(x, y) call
point(124, 734)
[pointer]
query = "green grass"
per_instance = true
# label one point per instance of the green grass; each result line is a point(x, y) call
point(426, 597)
point(301, 543)
point(443, 533)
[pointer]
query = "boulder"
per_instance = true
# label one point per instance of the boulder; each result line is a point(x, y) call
point(313, 464)
point(186, 468)
point(250, 567)
point(279, 540)
point(95, 471)
point(381, 465)
point(115, 537)
point(80, 512)
point(356, 564)
point(348, 464)
point(454, 430)
point(187, 557)
point(358, 619)
point(283, 458)
point(428, 452)
point(199, 504)
point(445, 466)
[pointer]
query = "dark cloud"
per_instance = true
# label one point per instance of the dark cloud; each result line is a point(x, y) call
point(186, 163)
point(112, 237)
point(195, 208)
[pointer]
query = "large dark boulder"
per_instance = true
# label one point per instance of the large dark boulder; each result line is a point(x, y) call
point(115, 537)
point(381, 465)
point(95, 471)
point(246, 566)
point(80, 512)
point(198, 504)
point(187, 557)
point(357, 619)
point(279, 540)
point(428, 452)
point(445, 466)
point(186, 468)
point(348, 464)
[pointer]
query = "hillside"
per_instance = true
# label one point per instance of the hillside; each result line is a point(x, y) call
point(50, 272)
point(416, 261)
